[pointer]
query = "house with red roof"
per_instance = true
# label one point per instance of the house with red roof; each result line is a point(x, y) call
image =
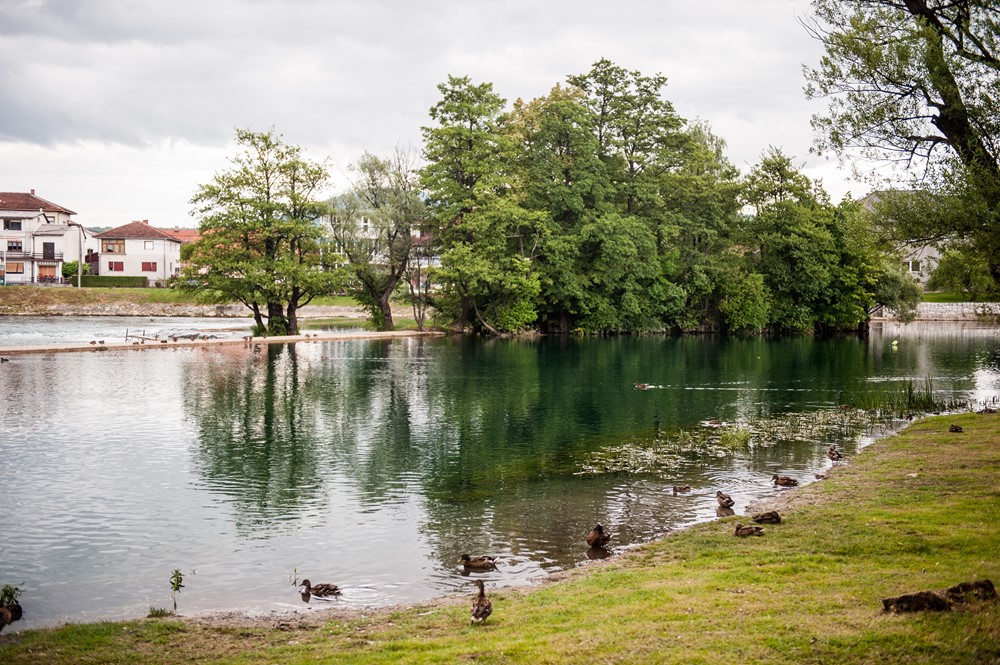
point(36, 238)
point(137, 250)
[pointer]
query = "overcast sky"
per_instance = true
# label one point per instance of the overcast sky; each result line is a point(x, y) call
point(118, 109)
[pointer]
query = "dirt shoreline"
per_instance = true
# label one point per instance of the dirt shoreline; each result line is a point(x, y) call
point(311, 617)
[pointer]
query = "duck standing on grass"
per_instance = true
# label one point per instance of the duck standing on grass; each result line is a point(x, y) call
point(784, 481)
point(724, 500)
point(597, 537)
point(482, 606)
point(479, 562)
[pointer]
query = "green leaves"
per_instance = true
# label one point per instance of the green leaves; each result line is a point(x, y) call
point(260, 241)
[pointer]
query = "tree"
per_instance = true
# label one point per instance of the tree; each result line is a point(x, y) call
point(914, 82)
point(373, 227)
point(486, 237)
point(69, 269)
point(260, 237)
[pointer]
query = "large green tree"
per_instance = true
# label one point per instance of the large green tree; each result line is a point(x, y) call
point(915, 82)
point(374, 227)
point(486, 237)
point(261, 238)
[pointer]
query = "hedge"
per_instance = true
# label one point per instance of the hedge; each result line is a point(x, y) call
point(108, 280)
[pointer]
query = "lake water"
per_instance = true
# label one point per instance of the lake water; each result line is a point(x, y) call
point(374, 464)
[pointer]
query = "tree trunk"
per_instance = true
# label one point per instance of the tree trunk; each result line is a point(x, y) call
point(383, 306)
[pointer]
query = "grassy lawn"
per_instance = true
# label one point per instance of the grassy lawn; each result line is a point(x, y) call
point(913, 512)
point(13, 296)
point(941, 296)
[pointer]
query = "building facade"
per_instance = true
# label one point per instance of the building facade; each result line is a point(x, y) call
point(36, 238)
point(137, 250)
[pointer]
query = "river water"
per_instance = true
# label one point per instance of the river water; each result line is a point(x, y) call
point(374, 464)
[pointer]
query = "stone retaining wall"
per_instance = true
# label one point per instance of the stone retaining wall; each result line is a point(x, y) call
point(949, 311)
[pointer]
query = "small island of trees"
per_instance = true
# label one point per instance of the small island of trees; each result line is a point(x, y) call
point(598, 208)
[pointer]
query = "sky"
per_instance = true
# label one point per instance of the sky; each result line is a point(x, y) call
point(119, 109)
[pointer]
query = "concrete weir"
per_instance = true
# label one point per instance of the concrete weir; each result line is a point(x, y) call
point(167, 344)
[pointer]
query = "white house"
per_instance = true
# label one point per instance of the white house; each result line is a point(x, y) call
point(919, 259)
point(137, 250)
point(37, 236)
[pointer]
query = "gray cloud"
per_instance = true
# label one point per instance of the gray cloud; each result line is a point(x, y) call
point(341, 77)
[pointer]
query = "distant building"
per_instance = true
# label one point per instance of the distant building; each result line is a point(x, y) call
point(186, 236)
point(137, 250)
point(36, 238)
point(919, 259)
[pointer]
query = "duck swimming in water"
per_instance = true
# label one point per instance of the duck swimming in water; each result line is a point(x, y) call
point(597, 537)
point(320, 590)
point(784, 481)
point(479, 562)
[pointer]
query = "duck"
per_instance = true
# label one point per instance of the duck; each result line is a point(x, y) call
point(724, 500)
point(10, 613)
point(834, 454)
point(955, 428)
point(479, 562)
point(678, 489)
point(770, 517)
point(4, 360)
point(320, 590)
point(597, 537)
point(482, 606)
point(745, 530)
point(642, 386)
point(784, 481)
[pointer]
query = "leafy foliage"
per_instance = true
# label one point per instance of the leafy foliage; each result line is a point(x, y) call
point(260, 241)
point(915, 83)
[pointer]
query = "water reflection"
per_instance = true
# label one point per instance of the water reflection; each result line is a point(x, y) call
point(376, 464)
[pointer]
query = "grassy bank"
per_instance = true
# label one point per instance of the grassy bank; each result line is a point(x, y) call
point(34, 296)
point(916, 511)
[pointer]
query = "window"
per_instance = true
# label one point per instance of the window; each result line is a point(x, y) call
point(914, 266)
point(112, 246)
point(147, 244)
point(116, 266)
point(11, 225)
point(15, 267)
point(149, 266)
point(14, 246)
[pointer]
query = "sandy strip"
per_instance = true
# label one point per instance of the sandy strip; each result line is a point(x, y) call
point(167, 344)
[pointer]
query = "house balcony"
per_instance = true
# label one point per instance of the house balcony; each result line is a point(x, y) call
point(15, 255)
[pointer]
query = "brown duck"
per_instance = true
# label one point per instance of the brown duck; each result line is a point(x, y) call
point(724, 500)
point(744, 531)
point(784, 481)
point(320, 590)
point(834, 454)
point(9, 614)
point(678, 489)
point(479, 562)
point(482, 606)
point(770, 517)
point(597, 537)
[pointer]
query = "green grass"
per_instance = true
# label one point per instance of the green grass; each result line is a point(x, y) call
point(943, 296)
point(916, 511)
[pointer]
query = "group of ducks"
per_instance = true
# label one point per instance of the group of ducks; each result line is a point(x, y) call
point(482, 606)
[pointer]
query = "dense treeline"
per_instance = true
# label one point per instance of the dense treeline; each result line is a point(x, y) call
point(598, 208)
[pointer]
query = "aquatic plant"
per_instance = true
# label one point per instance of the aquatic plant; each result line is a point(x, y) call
point(176, 584)
point(900, 401)
point(735, 437)
point(159, 612)
point(9, 594)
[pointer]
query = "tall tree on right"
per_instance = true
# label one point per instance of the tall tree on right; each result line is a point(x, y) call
point(915, 82)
